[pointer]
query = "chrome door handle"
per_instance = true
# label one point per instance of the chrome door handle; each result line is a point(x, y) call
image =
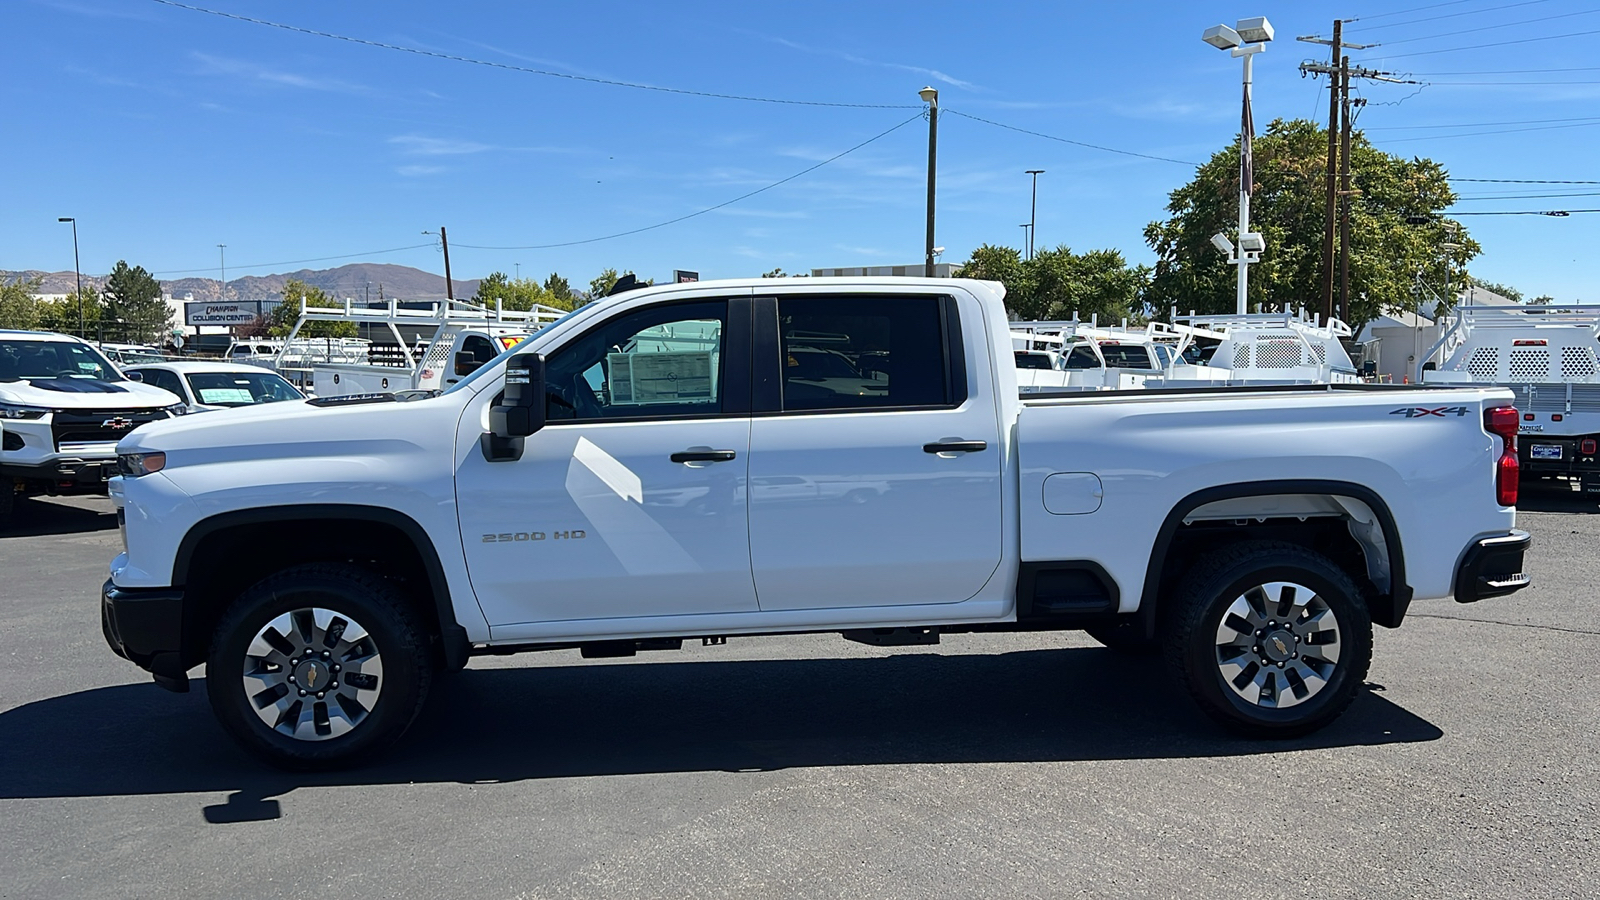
point(684, 456)
point(955, 446)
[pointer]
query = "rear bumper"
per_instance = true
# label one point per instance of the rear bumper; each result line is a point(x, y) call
point(1492, 567)
point(145, 627)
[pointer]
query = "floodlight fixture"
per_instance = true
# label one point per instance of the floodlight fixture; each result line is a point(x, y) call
point(1252, 242)
point(1222, 37)
point(1221, 242)
point(1255, 30)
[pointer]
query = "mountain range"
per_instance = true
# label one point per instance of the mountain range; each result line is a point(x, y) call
point(355, 281)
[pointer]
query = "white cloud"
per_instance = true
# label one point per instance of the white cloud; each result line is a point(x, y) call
point(418, 171)
point(221, 65)
point(419, 145)
point(935, 74)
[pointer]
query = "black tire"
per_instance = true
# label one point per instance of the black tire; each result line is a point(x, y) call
point(1125, 637)
point(398, 642)
point(8, 500)
point(1192, 640)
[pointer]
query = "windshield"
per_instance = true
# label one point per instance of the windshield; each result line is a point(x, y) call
point(53, 359)
point(240, 388)
point(491, 364)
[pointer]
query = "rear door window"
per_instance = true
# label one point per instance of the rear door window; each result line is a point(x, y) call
point(873, 352)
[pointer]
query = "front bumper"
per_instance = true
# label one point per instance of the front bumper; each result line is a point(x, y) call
point(145, 626)
point(64, 473)
point(1492, 567)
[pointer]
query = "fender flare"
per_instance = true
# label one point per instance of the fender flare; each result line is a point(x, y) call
point(454, 638)
point(1388, 609)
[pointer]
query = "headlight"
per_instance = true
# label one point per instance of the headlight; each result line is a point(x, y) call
point(14, 411)
point(135, 464)
point(176, 409)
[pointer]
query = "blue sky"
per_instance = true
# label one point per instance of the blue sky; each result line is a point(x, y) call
point(166, 131)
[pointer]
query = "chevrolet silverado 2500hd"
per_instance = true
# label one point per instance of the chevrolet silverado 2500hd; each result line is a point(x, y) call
point(827, 455)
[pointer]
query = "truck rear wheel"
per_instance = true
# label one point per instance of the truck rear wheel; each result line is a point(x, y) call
point(317, 667)
point(1271, 639)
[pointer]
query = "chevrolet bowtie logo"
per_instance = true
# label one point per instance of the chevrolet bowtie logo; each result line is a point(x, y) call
point(117, 423)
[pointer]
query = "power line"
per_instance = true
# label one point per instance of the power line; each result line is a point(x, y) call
point(1440, 137)
point(1470, 12)
point(525, 69)
point(1520, 181)
point(1401, 12)
point(1586, 12)
point(1484, 124)
point(1532, 196)
point(1548, 37)
point(707, 209)
point(292, 262)
point(1504, 72)
point(1051, 137)
point(1525, 212)
point(1506, 83)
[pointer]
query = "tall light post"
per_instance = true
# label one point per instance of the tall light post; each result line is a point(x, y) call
point(1247, 38)
point(1033, 209)
point(1027, 240)
point(222, 283)
point(930, 96)
point(77, 270)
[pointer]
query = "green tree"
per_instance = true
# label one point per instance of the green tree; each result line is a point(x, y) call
point(1057, 283)
point(62, 315)
point(557, 287)
point(1504, 290)
point(134, 301)
point(515, 293)
point(283, 316)
point(18, 308)
point(1387, 256)
point(602, 283)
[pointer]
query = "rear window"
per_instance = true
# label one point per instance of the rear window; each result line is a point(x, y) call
point(863, 352)
point(1026, 360)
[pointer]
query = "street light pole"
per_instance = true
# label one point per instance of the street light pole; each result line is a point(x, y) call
point(222, 287)
point(1247, 38)
point(930, 96)
point(77, 270)
point(1033, 210)
point(1027, 240)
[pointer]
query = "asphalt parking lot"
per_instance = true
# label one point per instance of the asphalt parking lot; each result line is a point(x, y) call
point(988, 766)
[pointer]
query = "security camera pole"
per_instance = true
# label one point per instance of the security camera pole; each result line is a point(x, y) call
point(1247, 38)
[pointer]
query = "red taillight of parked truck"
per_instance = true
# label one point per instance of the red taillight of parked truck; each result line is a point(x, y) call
point(1502, 421)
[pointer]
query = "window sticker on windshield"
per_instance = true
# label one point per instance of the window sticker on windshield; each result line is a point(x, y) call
point(682, 376)
point(225, 395)
point(88, 367)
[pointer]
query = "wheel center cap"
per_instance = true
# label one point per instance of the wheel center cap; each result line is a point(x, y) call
point(1278, 645)
point(313, 675)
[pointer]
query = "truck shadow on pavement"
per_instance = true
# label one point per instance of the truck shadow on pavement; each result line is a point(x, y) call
point(508, 725)
point(34, 518)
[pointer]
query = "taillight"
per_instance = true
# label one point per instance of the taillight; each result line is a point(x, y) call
point(1502, 421)
point(1586, 447)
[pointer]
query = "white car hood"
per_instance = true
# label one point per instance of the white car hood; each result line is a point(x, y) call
point(76, 393)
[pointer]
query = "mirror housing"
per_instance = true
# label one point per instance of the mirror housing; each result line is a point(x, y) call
point(468, 362)
point(519, 412)
point(134, 376)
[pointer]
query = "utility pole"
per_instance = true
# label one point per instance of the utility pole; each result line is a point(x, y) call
point(1339, 73)
point(1033, 210)
point(222, 283)
point(1346, 198)
point(449, 287)
point(930, 96)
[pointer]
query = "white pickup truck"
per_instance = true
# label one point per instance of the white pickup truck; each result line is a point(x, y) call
point(679, 462)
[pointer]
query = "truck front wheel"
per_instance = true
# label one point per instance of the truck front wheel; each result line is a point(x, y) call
point(318, 666)
point(1271, 639)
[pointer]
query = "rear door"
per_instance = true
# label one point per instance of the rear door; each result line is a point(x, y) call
point(874, 468)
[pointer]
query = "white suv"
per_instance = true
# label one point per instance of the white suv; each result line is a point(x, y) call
point(63, 407)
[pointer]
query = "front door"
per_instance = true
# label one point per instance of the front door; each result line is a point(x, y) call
point(631, 500)
point(874, 467)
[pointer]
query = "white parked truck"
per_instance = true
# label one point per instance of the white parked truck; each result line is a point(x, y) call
point(458, 337)
point(1547, 356)
point(678, 462)
point(63, 407)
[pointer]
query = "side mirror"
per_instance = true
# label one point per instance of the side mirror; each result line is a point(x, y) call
point(520, 412)
point(135, 376)
point(468, 362)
